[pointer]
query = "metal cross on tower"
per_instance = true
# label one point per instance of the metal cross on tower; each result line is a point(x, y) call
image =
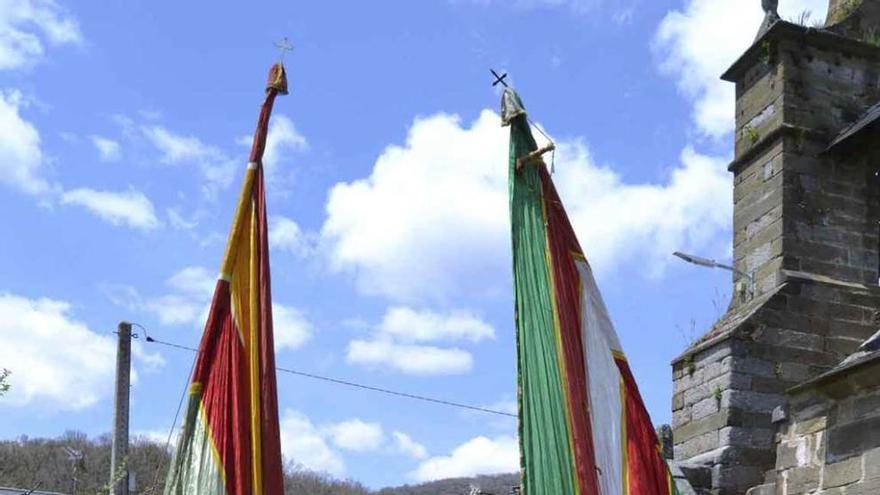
point(499, 78)
point(283, 45)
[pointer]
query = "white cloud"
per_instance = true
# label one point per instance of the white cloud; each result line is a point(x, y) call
point(131, 208)
point(506, 406)
point(409, 358)
point(178, 221)
point(158, 436)
point(194, 280)
point(27, 25)
point(174, 309)
point(396, 342)
point(409, 447)
point(282, 135)
point(21, 159)
point(188, 302)
point(286, 235)
point(430, 214)
point(282, 138)
point(305, 444)
point(215, 167)
point(357, 435)
point(42, 343)
point(108, 149)
point(698, 43)
point(291, 327)
point(431, 220)
point(424, 326)
point(618, 221)
point(479, 455)
point(624, 15)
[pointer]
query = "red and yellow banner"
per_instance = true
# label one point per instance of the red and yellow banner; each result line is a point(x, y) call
point(583, 427)
point(230, 442)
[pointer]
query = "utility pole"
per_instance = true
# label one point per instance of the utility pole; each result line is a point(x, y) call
point(119, 455)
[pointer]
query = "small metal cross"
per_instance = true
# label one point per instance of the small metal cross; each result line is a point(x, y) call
point(283, 45)
point(499, 78)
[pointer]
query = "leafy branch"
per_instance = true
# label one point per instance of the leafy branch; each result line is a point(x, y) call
point(4, 382)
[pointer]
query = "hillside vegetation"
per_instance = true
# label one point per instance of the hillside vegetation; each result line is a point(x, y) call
point(44, 464)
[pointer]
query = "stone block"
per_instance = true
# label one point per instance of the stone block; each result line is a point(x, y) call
point(851, 439)
point(700, 477)
point(867, 405)
point(699, 427)
point(842, 473)
point(750, 401)
point(696, 445)
point(793, 453)
point(765, 489)
point(746, 437)
point(810, 426)
point(779, 414)
point(872, 464)
point(867, 487)
point(714, 353)
point(705, 408)
point(736, 478)
point(753, 366)
point(802, 480)
point(680, 417)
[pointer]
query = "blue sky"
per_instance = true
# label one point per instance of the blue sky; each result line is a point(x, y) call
point(122, 143)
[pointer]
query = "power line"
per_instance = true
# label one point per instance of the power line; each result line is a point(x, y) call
point(356, 385)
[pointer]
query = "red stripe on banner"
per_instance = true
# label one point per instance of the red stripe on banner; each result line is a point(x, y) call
point(221, 369)
point(273, 482)
point(562, 243)
point(646, 468)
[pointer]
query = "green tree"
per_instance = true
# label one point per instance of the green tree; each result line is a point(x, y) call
point(4, 382)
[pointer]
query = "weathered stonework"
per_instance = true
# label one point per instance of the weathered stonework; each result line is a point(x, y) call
point(830, 439)
point(806, 229)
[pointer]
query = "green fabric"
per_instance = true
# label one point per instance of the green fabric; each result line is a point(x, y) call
point(194, 468)
point(547, 460)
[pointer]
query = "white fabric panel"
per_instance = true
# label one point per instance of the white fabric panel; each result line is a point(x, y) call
point(603, 379)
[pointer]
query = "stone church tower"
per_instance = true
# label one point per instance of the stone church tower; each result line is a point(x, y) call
point(806, 213)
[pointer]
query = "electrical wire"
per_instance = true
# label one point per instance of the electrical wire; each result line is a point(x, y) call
point(361, 386)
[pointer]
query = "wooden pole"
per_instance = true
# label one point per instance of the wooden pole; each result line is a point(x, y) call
point(119, 453)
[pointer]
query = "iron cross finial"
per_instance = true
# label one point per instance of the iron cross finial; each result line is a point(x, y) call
point(499, 78)
point(283, 45)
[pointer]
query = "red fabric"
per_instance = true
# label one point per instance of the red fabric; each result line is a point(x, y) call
point(221, 368)
point(222, 362)
point(562, 243)
point(273, 479)
point(648, 473)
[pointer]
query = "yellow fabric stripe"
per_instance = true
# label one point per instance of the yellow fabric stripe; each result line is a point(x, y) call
point(241, 214)
point(254, 352)
point(560, 357)
point(240, 266)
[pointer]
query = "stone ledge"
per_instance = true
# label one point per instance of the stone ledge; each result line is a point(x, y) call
point(787, 30)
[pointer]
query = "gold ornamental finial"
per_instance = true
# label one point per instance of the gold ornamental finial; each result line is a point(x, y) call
point(277, 79)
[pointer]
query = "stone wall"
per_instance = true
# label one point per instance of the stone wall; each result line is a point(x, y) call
point(726, 388)
point(806, 227)
point(795, 206)
point(829, 445)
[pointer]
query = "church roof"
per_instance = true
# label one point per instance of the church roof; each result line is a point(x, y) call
point(868, 119)
point(864, 361)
